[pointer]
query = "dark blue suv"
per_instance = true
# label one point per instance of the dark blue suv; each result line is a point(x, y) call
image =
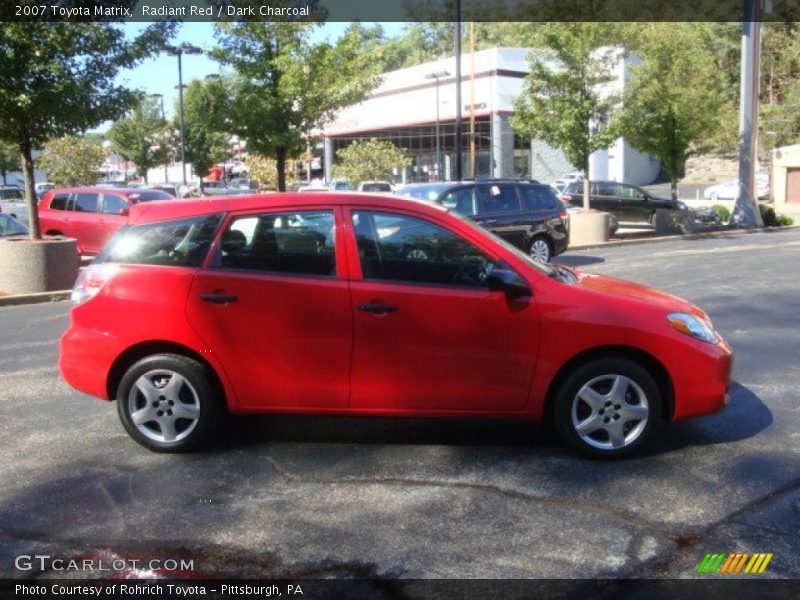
point(527, 214)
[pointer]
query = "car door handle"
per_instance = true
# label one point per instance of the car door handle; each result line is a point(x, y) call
point(215, 298)
point(377, 309)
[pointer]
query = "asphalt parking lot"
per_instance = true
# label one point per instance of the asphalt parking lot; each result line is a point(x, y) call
point(313, 496)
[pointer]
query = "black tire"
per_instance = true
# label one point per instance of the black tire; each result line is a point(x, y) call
point(618, 416)
point(536, 249)
point(195, 395)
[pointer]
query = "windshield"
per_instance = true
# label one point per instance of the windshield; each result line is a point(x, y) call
point(149, 196)
point(10, 226)
point(425, 192)
point(547, 269)
point(10, 195)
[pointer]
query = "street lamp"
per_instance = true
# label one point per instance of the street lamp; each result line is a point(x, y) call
point(437, 75)
point(179, 51)
point(160, 98)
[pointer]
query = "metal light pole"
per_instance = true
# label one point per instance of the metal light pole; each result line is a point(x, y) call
point(160, 98)
point(745, 211)
point(459, 150)
point(179, 51)
point(437, 76)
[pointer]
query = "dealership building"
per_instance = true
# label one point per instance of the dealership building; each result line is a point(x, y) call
point(411, 104)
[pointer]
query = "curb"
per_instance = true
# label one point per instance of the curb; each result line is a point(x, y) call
point(39, 298)
point(690, 236)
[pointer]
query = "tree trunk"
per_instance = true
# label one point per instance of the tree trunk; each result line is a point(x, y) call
point(280, 165)
point(586, 189)
point(30, 189)
point(4, 178)
point(673, 182)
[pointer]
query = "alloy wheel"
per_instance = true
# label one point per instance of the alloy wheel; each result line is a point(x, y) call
point(540, 250)
point(163, 406)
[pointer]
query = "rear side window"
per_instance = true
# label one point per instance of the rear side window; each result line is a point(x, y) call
point(497, 198)
point(460, 200)
point(300, 243)
point(182, 243)
point(604, 188)
point(86, 203)
point(59, 202)
point(537, 197)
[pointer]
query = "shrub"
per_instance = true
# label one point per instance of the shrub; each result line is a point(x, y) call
point(723, 213)
point(768, 215)
point(784, 221)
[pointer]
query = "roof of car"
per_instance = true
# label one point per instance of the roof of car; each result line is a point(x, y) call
point(190, 207)
point(125, 191)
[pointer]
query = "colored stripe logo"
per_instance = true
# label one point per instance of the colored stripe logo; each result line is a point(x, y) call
point(734, 563)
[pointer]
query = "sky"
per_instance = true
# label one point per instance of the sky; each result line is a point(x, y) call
point(159, 75)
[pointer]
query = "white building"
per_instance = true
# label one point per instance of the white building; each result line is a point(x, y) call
point(409, 102)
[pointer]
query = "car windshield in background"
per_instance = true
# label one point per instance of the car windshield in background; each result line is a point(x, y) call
point(10, 194)
point(376, 187)
point(425, 192)
point(149, 196)
point(10, 226)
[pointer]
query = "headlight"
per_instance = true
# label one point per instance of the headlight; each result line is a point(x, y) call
point(693, 326)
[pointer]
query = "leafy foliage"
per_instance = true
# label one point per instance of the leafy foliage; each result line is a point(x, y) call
point(723, 212)
point(61, 79)
point(205, 121)
point(72, 161)
point(264, 171)
point(370, 160)
point(566, 100)
point(771, 219)
point(142, 136)
point(672, 102)
point(9, 159)
point(287, 86)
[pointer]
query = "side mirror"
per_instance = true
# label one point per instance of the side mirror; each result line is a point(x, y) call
point(124, 212)
point(506, 280)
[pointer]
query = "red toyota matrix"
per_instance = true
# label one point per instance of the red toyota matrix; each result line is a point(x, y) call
point(374, 305)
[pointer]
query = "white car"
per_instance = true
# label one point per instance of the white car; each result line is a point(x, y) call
point(729, 190)
point(375, 186)
point(12, 202)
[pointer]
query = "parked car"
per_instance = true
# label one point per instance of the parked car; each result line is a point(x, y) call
point(408, 310)
point(41, 188)
point(11, 227)
point(242, 183)
point(527, 215)
point(729, 190)
point(626, 202)
point(91, 215)
point(12, 202)
point(220, 188)
point(168, 188)
point(340, 186)
point(375, 186)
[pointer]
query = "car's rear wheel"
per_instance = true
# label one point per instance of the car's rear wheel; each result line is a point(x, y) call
point(609, 408)
point(541, 249)
point(169, 403)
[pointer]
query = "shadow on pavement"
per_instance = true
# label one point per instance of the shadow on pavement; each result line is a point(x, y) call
point(578, 261)
point(745, 417)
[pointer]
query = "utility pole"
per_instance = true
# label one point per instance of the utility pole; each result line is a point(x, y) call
point(179, 51)
point(459, 149)
point(472, 163)
point(745, 211)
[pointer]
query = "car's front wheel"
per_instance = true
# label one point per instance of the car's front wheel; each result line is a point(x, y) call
point(608, 408)
point(169, 403)
point(541, 250)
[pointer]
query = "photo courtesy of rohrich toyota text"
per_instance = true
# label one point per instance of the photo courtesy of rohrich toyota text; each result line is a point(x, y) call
point(410, 299)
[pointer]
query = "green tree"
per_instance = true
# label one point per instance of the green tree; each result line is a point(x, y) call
point(142, 136)
point(370, 160)
point(566, 101)
point(287, 86)
point(264, 171)
point(674, 99)
point(61, 78)
point(9, 159)
point(205, 122)
point(72, 161)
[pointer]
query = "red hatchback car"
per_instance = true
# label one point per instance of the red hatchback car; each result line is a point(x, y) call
point(90, 215)
point(353, 304)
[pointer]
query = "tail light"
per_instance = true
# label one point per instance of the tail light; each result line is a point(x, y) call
point(565, 198)
point(90, 281)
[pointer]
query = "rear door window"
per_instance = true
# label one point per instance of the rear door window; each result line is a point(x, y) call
point(606, 188)
point(86, 202)
point(537, 197)
point(500, 198)
point(180, 243)
point(299, 243)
